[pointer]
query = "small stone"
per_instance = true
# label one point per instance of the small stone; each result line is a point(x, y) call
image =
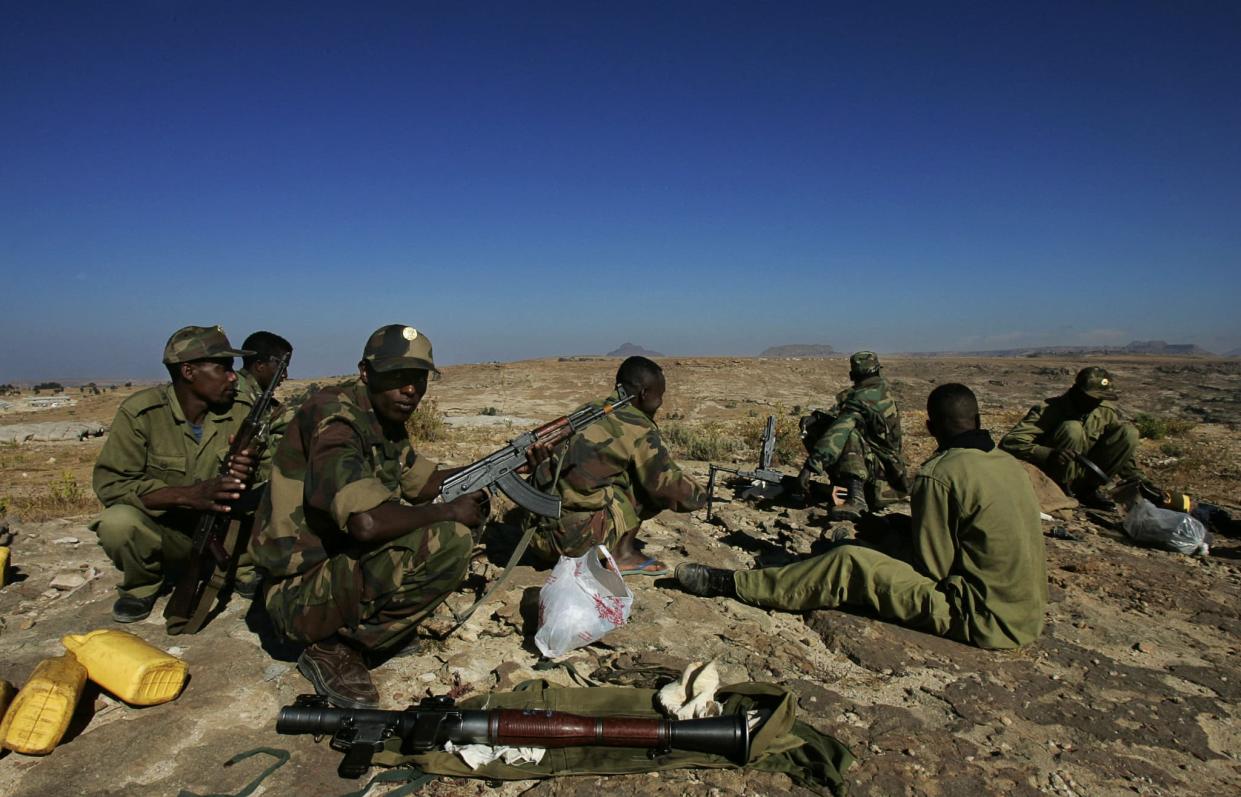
point(66, 541)
point(67, 581)
point(176, 650)
point(1145, 647)
point(26, 624)
point(1007, 722)
point(874, 748)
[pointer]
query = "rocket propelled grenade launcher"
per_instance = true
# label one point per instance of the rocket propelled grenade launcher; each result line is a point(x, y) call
point(499, 469)
point(360, 733)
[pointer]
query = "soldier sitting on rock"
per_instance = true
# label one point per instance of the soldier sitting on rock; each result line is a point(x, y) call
point(158, 470)
point(1082, 421)
point(978, 574)
point(858, 444)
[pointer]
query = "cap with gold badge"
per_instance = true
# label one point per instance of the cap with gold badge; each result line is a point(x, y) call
point(396, 346)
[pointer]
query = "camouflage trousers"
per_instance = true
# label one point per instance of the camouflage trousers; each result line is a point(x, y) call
point(857, 577)
point(1113, 452)
point(377, 598)
point(143, 548)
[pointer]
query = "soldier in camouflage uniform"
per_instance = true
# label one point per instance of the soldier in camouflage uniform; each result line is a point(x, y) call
point(1084, 420)
point(158, 469)
point(616, 473)
point(353, 551)
point(978, 574)
point(858, 444)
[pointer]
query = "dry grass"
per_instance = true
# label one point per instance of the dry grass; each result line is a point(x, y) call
point(64, 496)
point(426, 425)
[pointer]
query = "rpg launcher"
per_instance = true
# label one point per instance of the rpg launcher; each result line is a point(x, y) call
point(499, 469)
point(360, 733)
point(762, 474)
point(218, 541)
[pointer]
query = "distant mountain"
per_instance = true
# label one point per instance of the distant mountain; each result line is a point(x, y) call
point(1234, 353)
point(800, 350)
point(1161, 347)
point(1135, 347)
point(633, 350)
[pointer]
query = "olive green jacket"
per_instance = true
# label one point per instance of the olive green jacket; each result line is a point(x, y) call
point(976, 531)
point(1029, 439)
point(150, 446)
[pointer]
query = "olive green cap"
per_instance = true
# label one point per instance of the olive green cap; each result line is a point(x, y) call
point(1096, 382)
point(396, 346)
point(199, 343)
point(863, 363)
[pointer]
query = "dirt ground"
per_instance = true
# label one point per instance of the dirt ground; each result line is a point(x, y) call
point(1133, 688)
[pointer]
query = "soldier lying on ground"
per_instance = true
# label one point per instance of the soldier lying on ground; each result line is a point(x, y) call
point(158, 468)
point(353, 550)
point(858, 444)
point(1084, 420)
point(615, 474)
point(978, 574)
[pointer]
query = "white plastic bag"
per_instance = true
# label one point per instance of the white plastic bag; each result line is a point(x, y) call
point(581, 601)
point(1163, 528)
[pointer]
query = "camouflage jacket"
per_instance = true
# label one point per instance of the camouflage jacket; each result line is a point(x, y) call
point(619, 464)
point(334, 461)
point(150, 447)
point(869, 408)
point(1029, 439)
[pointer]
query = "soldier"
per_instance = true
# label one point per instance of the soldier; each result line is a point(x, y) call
point(616, 473)
point(859, 443)
point(1082, 421)
point(158, 468)
point(979, 572)
point(353, 550)
point(259, 369)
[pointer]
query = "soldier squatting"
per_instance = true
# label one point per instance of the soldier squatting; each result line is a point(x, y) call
point(350, 551)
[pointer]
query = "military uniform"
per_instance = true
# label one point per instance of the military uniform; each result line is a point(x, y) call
point(249, 390)
point(151, 446)
point(336, 461)
point(979, 572)
point(1096, 428)
point(613, 475)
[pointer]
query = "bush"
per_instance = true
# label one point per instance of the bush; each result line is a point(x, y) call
point(490, 411)
point(1155, 427)
point(708, 442)
point(426, 425)
point(63, 497)
point(789, 448)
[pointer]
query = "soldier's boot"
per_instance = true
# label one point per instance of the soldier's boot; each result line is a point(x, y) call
point(1095, 498)
point(706, 582)
point(338, 672)
point(129, 609)
point(855, 504)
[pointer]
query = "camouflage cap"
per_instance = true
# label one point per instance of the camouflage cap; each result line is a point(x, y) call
point(199, 343)
point(864, 363)
point(1095, 382)
point(396, 346)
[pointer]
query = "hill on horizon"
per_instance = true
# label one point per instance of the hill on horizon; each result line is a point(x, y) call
point(800, 350)
point(633, 350)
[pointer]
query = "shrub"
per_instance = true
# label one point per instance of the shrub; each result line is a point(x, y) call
point(426, 425)
point(1155, 427)
point(489, 411)
point(708, 442)
point(789, 448)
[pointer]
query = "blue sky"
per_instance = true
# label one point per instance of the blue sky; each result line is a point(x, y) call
point(532, 179)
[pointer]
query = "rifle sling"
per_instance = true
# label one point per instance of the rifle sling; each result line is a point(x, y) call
point(207, 594)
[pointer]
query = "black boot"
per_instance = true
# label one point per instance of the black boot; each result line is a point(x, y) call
point(854, 506)
point(706, 582)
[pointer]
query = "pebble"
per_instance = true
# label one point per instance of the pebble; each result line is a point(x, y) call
point(67, 581)
point(1006, 721)
point(274, 670)
point(1145, 647)
point(66, 541)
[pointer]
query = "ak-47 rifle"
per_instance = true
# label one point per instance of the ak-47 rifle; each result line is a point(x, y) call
point(763, 473)
point(499, 469)
point(217, 539)
point(360, 733)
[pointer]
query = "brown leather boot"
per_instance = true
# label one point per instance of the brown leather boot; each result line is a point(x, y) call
point(339, 674)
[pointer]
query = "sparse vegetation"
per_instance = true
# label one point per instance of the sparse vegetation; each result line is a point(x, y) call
point(708, 442)
point(789, 449)
point(1171, 449)
point(489, 411)
point(63, 497)
point(1157, 427)
point(426, 425)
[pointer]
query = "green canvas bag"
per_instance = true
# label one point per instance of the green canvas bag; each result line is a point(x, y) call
point(782, 744)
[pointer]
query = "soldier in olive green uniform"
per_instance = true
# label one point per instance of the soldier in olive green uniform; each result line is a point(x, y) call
point(616, 473)
point(858, 444)
point(1083, 421)
point(979, 574)
point(259, 368)
point(159, 467)
point(353, 551)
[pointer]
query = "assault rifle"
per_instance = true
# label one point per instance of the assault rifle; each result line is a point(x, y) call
point(499, 469)
point(360, 733)
point(218, 540)
point(763, 473)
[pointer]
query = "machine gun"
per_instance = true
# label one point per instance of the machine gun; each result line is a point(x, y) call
point(217, 539)
point(499, 469)
point(360, 733)
point(762, 474)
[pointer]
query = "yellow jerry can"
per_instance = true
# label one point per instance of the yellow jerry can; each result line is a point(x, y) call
point(40, 714)
point(127, 666)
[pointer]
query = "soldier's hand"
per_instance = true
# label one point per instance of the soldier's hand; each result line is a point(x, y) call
point(803, 480)
point(470, 509)
point(241, 465)
point(1060, 459)
point(214, 495)
point(536, 455)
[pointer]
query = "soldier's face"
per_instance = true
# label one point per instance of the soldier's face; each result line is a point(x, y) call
point(651, 398)
point(214, 381)
point(395, 394)
point(265, 371)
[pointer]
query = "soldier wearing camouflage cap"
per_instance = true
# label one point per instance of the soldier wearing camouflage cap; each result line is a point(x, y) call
point(159, 467)
point(1084, 420)
point(353, 550)
point(858, 443)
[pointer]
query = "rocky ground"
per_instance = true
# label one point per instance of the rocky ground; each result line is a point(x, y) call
point(1132, 689)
